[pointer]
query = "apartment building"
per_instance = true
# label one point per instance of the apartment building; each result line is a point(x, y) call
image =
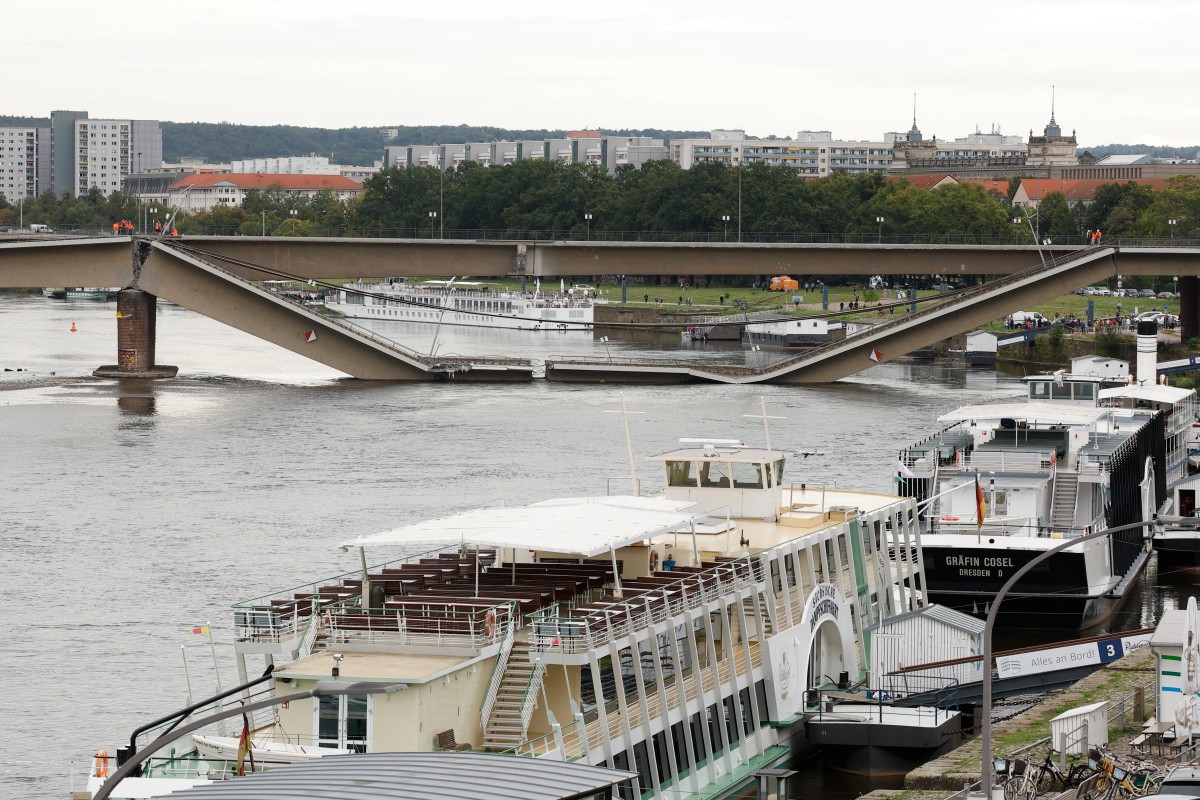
point(590, 147)
point(109, 150)
point(24, 162)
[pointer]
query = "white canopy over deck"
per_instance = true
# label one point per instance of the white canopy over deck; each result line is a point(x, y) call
point(584, 526)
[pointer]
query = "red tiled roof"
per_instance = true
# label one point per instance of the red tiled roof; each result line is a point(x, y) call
point(1000, 187)
point(1037, 188)
point(258, 180)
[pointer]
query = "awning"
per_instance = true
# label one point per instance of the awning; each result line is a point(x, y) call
point(583, 526)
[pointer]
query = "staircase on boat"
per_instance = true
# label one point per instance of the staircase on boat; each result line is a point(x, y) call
point(1066, 490)
point(508, 724)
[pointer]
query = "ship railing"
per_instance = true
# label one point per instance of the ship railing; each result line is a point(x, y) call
point(941, 689)
point(282, 614)
point(823, 703)
point(529, 701)
point(497, 677)
point(570, 741)
point(263, 718)
point(1007, 460)
point(1099, 522)
point(424, 623)
point(614, 619)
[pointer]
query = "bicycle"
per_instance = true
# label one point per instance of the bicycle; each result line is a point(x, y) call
point(1017, 782)
point(1049, 775)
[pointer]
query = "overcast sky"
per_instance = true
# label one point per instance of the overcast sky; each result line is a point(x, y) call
point(1124, 73)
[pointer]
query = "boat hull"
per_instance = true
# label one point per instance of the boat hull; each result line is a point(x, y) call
point(1051, 597)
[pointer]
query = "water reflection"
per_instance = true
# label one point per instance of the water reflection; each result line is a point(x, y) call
point(137, 405)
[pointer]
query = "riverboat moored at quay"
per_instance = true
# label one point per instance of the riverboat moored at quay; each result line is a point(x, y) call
point(1001, 483)
point(689, 637)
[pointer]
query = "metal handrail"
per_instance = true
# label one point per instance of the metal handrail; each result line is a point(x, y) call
point(498, 668)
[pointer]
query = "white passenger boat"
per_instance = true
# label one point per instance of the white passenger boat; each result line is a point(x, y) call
point(471, 303)
point(1004, 482)
point(688, 637)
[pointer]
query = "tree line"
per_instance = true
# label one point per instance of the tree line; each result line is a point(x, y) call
point(712, 202)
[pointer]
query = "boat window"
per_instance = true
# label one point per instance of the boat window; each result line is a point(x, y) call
point(1039, 390)
point(679, 473)
point(714, 474)
point(1085, 391)
point(1061, 391)
point(1000, 503)
point(778, 469)
point(747, 476)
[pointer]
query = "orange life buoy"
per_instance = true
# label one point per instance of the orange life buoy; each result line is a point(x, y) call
point(489, 623)
point(653, 560)
point(100, 765)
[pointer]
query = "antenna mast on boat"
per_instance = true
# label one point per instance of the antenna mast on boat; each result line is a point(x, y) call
point(635, 485)
point(766, 426)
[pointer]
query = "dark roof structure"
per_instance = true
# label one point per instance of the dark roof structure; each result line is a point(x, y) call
point(419, 776)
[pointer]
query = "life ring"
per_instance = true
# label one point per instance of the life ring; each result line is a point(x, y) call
point(653, 560)
point(949, 519)
point(489, 623)
point(100, 764)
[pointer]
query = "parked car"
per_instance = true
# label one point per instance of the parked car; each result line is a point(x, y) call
point(1082, 290)
point(5, 228)
point(1181, 782)
point(1101, 291)
point(1166, 295)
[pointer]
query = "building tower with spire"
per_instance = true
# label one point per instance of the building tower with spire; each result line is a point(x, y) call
point(1052, 148)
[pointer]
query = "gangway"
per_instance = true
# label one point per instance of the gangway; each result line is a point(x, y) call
point(961, 312)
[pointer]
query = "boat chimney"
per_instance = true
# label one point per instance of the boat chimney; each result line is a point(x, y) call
point(1147, 352)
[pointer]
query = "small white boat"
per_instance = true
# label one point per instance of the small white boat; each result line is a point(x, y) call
point(87, 293)
point(266, 752)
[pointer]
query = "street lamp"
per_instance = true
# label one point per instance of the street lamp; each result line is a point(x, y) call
point(987, 773)
point(433, 215)
point(153, 216)
point(588, 218)
point(328, 688)
point(725, 219)
point(1171, 222)
point(880, 221)
point(1016, 221)
point(292, 213)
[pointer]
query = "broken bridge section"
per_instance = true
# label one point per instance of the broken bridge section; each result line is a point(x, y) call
point(963, 312)
point(189, 279)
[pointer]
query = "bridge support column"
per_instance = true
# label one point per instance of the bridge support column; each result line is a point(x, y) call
point(1189, 307)
point(137, 316)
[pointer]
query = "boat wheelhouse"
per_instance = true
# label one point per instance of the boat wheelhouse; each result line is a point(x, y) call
point(686, 637)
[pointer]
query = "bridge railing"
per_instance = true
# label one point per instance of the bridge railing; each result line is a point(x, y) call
point(683, 237)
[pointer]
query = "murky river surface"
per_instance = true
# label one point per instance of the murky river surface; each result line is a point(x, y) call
point(134, 511)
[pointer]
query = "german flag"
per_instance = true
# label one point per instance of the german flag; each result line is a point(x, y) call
point(980, 504)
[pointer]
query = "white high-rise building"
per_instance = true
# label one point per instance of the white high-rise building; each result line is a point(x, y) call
point(109, 150)
point(24, 162)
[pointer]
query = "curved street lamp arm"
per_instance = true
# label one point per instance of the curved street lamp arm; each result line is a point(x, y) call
point(322, 689)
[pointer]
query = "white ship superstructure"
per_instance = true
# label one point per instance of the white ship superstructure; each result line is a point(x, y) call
point(471, 303)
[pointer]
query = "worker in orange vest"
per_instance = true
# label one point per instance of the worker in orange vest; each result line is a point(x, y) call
point(157, 226)
point(174, 231)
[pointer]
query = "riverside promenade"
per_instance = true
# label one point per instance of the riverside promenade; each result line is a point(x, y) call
point(1026, 735)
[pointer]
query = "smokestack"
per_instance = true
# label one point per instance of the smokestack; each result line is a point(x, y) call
point(1147, 352)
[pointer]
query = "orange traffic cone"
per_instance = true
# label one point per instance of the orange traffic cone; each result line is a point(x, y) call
point(72, 327)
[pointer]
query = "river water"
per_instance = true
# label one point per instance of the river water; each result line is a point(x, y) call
point(136, 510)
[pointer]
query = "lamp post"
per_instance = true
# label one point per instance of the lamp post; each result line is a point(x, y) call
point(987, 773)
point(329, 688)
point(153, 215)
point(433, 215)
point(588, 219)
point(292, 213)
point(1171, 223)
point(879, 220)
point(1016, 221)
point(725, 219)
point(739, 169)
point(441, 202)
